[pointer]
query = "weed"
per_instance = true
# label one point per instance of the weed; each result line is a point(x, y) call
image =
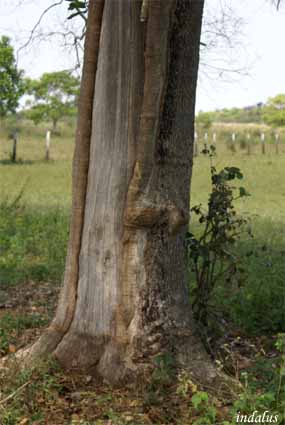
point(26, 390)
point(211, 254)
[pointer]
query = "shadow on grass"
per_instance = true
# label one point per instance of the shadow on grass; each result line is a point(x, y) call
point(255, 301)
point(26, 161)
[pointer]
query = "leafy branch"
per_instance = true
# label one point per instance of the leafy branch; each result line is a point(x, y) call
point(211, 255)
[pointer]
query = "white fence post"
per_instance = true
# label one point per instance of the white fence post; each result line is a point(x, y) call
point(262, 139)
point(277, 143)
point(47, 144)
point(248, 143)
point(196, 150)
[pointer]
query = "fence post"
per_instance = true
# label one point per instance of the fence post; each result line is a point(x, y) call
point(196, 151)
point(233, 144)
point(47, 144)
point(276, 143)
point(215, 141)
point(15, 142)
point(248, 143)
point(262, 139)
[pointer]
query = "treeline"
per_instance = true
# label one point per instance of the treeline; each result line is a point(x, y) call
point(238, 115)
point(271, 113)
point(49, 98)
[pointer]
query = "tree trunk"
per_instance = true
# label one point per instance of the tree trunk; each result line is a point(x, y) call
point(54, 125)
point(125, 296)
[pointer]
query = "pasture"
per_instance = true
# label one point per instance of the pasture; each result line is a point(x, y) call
point(35, 200)
point(37, 223)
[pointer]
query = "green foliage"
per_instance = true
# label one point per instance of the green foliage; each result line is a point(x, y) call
point(204, 120)
point(78, 8)
point(271, 400)
point(204, 408)
point(245, 302)
point(54, 96)
point(236, 115)
point(11, 79)
point(274, 111)
point(252, 400)
point(211, 254)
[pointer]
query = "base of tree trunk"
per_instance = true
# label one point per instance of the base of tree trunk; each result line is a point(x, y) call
point(121, 366)
point(124, 300)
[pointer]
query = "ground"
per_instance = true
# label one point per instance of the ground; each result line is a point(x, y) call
point(35, 202)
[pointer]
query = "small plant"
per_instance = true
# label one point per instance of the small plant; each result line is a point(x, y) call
point(272, 400)
point(185, 385)
point(161, 379)
point(280, 394)
point(211, 254)
point(202, 406)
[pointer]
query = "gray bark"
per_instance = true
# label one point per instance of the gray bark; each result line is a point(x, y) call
point(126, 299)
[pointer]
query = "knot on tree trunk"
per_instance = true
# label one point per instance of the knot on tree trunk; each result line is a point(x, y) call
point(146, 213)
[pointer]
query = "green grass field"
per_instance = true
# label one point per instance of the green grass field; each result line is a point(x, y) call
point(259, 305)
point(34, 232)
point(35, 200)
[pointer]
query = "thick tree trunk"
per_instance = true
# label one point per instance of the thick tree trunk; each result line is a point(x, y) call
point(125, 297)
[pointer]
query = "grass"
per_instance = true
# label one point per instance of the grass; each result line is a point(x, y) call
point(34, 230)
point(45, 183)
point(263, 178)
point(263, 256)
point(33, 240)
point(12, 326)
point(32, 243)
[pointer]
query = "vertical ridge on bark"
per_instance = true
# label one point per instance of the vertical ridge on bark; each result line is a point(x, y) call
point(117, 107)
point(155, 64)
point(67, 299)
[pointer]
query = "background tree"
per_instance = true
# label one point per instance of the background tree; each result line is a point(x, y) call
point(11, 79)
point(204, 120)
point(274, 111)
point(54, 96)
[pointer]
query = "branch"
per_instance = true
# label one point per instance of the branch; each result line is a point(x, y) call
point(14, 393)
point(37, 24)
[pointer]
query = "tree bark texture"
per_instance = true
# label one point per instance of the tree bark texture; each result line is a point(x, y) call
point(124, 298)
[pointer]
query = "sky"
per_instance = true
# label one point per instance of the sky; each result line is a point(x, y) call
point(255, 59)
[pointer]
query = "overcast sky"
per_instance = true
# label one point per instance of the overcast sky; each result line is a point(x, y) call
point(258, 51)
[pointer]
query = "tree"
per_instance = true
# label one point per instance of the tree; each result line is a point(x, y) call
point(274, 111)
point(204, 120)
point(124, 299)
point(54, 97)
point(11, 79)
